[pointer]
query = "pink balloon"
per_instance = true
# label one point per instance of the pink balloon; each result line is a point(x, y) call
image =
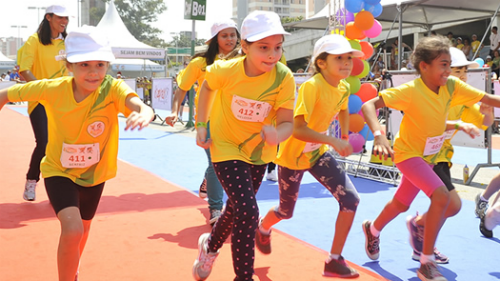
point(375, 30)
point(357, 141)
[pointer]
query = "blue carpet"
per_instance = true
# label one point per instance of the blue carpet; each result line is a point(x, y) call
point(176, 158)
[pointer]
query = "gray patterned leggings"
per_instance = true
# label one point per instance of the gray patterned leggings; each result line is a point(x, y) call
point(329, 173)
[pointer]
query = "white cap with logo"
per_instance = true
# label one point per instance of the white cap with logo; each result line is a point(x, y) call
point(57, 10)
point(218, 26)
point(336, 45)
point(458, 59)
point(261, 24)
point(87, 44)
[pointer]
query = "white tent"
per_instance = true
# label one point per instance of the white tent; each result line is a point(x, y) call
point(124, 44)
point(5, 62)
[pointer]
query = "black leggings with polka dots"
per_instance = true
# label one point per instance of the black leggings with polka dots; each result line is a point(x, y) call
point(240, 217)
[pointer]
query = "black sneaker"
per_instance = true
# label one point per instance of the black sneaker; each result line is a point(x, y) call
point(371, 241)
point(481, 205)
point(263, 241)
point(202, 192)
point(487, 233)
point(339, 268)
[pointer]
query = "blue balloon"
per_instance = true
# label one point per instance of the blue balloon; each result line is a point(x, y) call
point(480, 61)
point(372, 2)
point(355, 104)
point(365, 131)
point(375, 9)
point(354, 6)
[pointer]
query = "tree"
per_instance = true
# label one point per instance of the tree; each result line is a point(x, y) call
point(184, 41)
point(290, 19)
point(137, 15)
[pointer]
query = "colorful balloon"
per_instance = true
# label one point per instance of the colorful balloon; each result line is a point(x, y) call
point(352, 32)
point(355, 104)
point(354, 6)
point(366, 92)
point(345, 16)
point(357, 142)
point(364, 20)
point(356, 123)
point(372, 2)
point(357, 67)
point(355, 44)
point(480, 61)
point(366, 133)
point(375, 10)
point(375, 30)
point(367, 49)
point(366, 69)
point(354, 84)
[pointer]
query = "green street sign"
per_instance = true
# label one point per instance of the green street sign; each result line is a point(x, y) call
point(195, 9)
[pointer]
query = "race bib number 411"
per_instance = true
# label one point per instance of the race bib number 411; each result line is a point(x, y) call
point(79, 155)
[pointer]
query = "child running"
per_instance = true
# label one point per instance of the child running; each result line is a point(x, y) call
point(83, 136)
point(426, 102)
point(221, 45)
point(474, 117)
point(250, 104)
point(320, 100)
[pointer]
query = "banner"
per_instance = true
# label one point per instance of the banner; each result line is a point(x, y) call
point(161, 97)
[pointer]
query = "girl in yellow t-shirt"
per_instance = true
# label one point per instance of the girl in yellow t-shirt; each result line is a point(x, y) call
point(39, 58)
point(249, 101)
point(474, 117)
point(221, 45)
point(320, 100)
point(426, 102)
point(82, 150)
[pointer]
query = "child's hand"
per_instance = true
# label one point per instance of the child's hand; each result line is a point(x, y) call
point(171, 119)
point(343, 147)
point(269, 134)
point(381, 147)
point(136, 119)
point(201, 138)
point(469, 129)
point(486, 109)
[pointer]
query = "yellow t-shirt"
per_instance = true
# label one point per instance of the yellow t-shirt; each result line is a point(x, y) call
point(460, 46)
point(467, 114)
point(41, 61)
point(475, 45)
point(93, 120)
point(425, 113)
point(234, 139)
point(319, 103)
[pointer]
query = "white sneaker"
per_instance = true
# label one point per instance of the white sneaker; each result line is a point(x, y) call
point(271, 176)
point(202, 266)
point(30, 190)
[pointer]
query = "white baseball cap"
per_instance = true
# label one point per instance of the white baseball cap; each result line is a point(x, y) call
point(218, 26)
point(261, 24)
point(336, 45)
point(57, 10)
point(87, 44)
point(458, 59)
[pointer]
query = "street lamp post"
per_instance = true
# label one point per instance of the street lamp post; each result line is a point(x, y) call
point(18, 34)
point(176, 48)
point(37, 12)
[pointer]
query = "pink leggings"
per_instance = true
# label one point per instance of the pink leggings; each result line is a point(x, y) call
point(417, 175)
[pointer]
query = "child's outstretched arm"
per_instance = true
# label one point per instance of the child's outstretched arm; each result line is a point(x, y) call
point(3, 98)
point(205, 102)
point(141, 114)
point(492, 100)
point(283, 130)
point(381, 145)
point(176, 106)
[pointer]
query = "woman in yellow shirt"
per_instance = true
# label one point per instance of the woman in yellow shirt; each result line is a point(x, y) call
point(40, 58)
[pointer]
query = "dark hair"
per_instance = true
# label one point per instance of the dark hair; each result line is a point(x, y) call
point(428, 49)
point(213, 49)
point(44, 32)
point(494, 28)
point(321, 56)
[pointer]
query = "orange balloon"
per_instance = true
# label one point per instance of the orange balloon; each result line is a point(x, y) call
point(356, 123)
point(367, 92)
point(364, 20)
point(367, 49)
point(352, 32)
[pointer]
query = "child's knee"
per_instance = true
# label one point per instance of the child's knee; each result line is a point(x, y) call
point(441, 196)
point(398, 205)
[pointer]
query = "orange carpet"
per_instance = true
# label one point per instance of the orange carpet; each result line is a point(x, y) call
point(146, 228)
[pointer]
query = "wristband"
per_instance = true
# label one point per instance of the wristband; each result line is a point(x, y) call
point(345, 137)
point(377, 133)
point(201, 125)
point(457, 125)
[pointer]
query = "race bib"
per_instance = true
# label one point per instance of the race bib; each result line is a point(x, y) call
point(312, 146)
point(433, 145)
point(249, 110)
point(79, 155)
